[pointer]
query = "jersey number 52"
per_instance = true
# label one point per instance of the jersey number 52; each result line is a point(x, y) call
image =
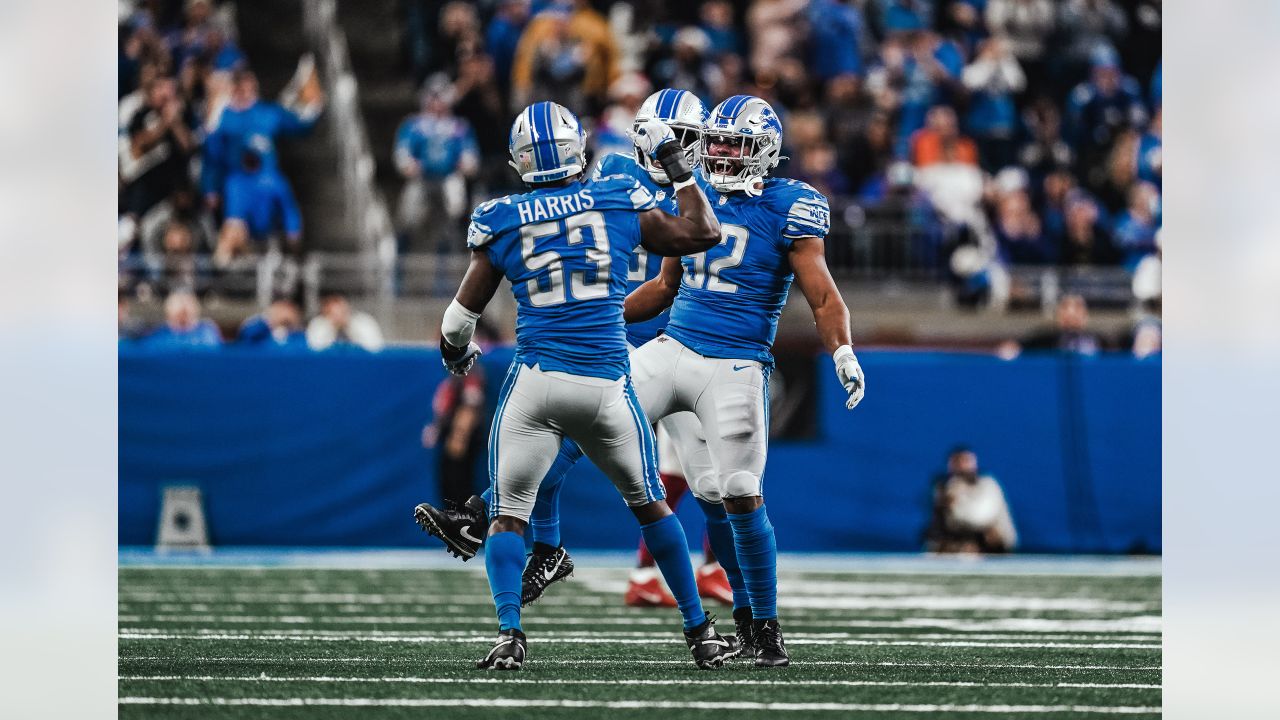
point(702, 275)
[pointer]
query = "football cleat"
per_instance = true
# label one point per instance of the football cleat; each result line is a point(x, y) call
point(507, 654)
point(540, 570)
point(770, 650)
point(742, 622)
point(713, 584)
point(709, 649)
point(461, 528)
point(645, 589)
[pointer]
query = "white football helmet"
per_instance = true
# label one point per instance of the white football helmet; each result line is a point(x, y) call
point(681, 111)
point(547, 143)
point(751, 124)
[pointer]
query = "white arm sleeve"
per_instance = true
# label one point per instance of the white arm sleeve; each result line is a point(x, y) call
point(458, 324)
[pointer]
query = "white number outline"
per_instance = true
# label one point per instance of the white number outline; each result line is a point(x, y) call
point(703, 276)
point(550, 261)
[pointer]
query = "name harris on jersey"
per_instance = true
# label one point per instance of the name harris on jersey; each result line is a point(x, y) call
point(536, 208)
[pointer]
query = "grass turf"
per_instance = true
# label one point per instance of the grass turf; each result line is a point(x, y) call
point(286, 642)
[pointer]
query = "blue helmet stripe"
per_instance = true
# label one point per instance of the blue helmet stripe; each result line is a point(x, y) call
point(540, 124)
point(668, 100)
point(733, 105)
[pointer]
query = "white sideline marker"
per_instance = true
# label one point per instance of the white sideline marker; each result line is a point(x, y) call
point(641, 705)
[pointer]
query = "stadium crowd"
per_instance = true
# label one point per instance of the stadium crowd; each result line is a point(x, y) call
point(1028, 129)
point(199, 179)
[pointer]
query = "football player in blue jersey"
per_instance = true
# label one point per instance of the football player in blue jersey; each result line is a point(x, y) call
point(565, 246)
point(725, 303)
point(679, 434)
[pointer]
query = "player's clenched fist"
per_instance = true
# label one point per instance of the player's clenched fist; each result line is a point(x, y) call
point(649, 135)
point(850, 374)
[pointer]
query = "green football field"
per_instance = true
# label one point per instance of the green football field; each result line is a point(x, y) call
point(868, 638)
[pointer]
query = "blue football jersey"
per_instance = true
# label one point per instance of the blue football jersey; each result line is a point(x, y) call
point(644, 265)
point(732, 295)
point(567, 252)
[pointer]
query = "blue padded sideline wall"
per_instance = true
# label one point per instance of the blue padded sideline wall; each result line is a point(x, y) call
point(324, 449)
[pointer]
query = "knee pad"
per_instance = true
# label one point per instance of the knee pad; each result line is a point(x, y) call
point(706, 488)
point(741, 484)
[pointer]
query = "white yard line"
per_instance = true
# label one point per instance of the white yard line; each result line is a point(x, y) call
point(1029, 627)
point(259, 660)
point(581, 639)
point(640, 705)
point(709, 682)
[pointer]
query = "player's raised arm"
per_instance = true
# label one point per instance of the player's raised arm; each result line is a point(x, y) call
point(696, 229)
point(809, 262)
point(654, 296)
point(459, 322)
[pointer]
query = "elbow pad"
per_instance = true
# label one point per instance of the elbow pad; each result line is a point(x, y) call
point(458, 325)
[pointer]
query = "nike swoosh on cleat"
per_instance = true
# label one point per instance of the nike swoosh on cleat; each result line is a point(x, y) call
point(463, 532)
point(721, 643)
point(549, 574)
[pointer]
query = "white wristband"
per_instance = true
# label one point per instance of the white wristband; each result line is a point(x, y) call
point(678, 185)
point(458, 324)
point(842, 352)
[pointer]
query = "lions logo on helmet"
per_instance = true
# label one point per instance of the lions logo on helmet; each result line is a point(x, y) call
point(547, 143)
point(681, 111)
point(750, 125)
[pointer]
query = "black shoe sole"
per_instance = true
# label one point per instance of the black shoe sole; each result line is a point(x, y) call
point(429, 524)
point(780, 662)
point(504, 664)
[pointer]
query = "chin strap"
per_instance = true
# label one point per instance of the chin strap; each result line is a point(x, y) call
point(749, 186)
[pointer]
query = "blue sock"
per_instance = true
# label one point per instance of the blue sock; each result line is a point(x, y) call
point(758, 559)
point(545, 520)
point(487, 496)
point(504, 560)
point(670, 550)
point(720, 535)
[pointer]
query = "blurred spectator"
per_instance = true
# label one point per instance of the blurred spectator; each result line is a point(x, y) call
point(503, 35)
point(178, 265)
point(1046, 151)
point(480, 104)
point(458, 38)
point(435, 152)
point(717, 23)
point(1057, 187)
point(834, 30)
point(183, 327)
point(690, 66)
point(1148, 331)
point(924, 70)
point(161, 140)
point(1026, 24)
point(969, 511)
point(457, 427)
point(1018, 232)
point(566, 53)
point(1089, 27)
point(992, 79)
point(1100, 109)
point(279, 326)
point(128, 327)
point(626, 96)
point(260, 204)
point(1070, 332)
point(1084, 239)
point(776, 28)
point(338, 325)
point(940, 141)
point(1135, 228)
point(249, 123)
point(1150, 152)
point(817, 166)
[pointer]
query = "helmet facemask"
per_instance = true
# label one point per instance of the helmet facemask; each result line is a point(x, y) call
point(729, 171)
